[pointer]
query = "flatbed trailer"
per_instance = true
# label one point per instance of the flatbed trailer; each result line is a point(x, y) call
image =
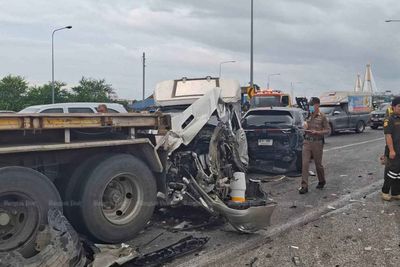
point(45, 160)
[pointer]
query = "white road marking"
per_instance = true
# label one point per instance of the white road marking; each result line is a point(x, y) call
point(355, 144)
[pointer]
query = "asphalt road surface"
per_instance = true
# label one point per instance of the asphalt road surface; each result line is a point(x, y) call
point(353, 173)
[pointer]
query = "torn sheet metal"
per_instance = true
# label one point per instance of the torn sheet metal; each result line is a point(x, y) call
point(247, 220)
point(109, 255)
point(186, 125)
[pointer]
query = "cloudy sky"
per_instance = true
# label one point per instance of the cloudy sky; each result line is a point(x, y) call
point(321, 43)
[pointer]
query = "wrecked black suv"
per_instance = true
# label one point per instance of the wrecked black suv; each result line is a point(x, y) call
point(275, 139)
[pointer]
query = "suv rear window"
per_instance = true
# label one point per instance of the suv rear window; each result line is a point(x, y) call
point(267, 117)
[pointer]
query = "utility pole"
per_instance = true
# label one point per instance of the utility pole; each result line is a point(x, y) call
point(251, 47)
point(144, 75)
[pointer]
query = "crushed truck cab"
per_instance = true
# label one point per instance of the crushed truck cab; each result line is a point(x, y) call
point(206, 147)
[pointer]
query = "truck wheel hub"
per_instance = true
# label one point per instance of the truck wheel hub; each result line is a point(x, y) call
point(116, 197)
point(17, 222)
point(120, 199)
point(4, 218)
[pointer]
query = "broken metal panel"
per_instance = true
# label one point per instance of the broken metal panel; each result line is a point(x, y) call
point(186, 125)
point(182, 247)
point(247, 220)
point(109, 255)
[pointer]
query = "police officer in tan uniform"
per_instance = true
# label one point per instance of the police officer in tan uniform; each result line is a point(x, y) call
point(316, 126)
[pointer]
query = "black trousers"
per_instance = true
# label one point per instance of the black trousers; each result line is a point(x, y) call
point(391, 183)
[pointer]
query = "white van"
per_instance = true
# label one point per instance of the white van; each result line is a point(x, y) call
point(82, 107)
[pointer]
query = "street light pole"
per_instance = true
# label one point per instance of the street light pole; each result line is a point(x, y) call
point(251, 47)
point(224, 62)
point(292, 89)
point(144, 75)
point(269, 77)
point(52, 60)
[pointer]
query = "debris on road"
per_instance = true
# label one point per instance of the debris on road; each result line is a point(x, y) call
point(355, 200)
point(331, 207)
point(295, 247)
point(182, 225)
point(343, 175)
point(296, 261)
point(184, 246)
point(253, 261)
point(109, 255)
point(368, 248)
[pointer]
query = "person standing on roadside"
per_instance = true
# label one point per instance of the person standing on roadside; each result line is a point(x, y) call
point(316, 126)
point(391, 126)
point(102, 108)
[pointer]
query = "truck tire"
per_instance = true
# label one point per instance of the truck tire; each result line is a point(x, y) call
point(70, 191)
point(117, 198)
point(25, 199)
point(360, 127)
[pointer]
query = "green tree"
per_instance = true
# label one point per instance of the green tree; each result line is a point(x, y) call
point(92, 90)
point(12, 92)
point(41, 95)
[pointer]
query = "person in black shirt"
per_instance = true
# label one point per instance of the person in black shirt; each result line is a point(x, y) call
point(391, 125)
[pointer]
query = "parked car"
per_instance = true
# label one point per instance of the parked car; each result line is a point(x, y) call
point(275, 139)
point(378, 115)
point(78, 107)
